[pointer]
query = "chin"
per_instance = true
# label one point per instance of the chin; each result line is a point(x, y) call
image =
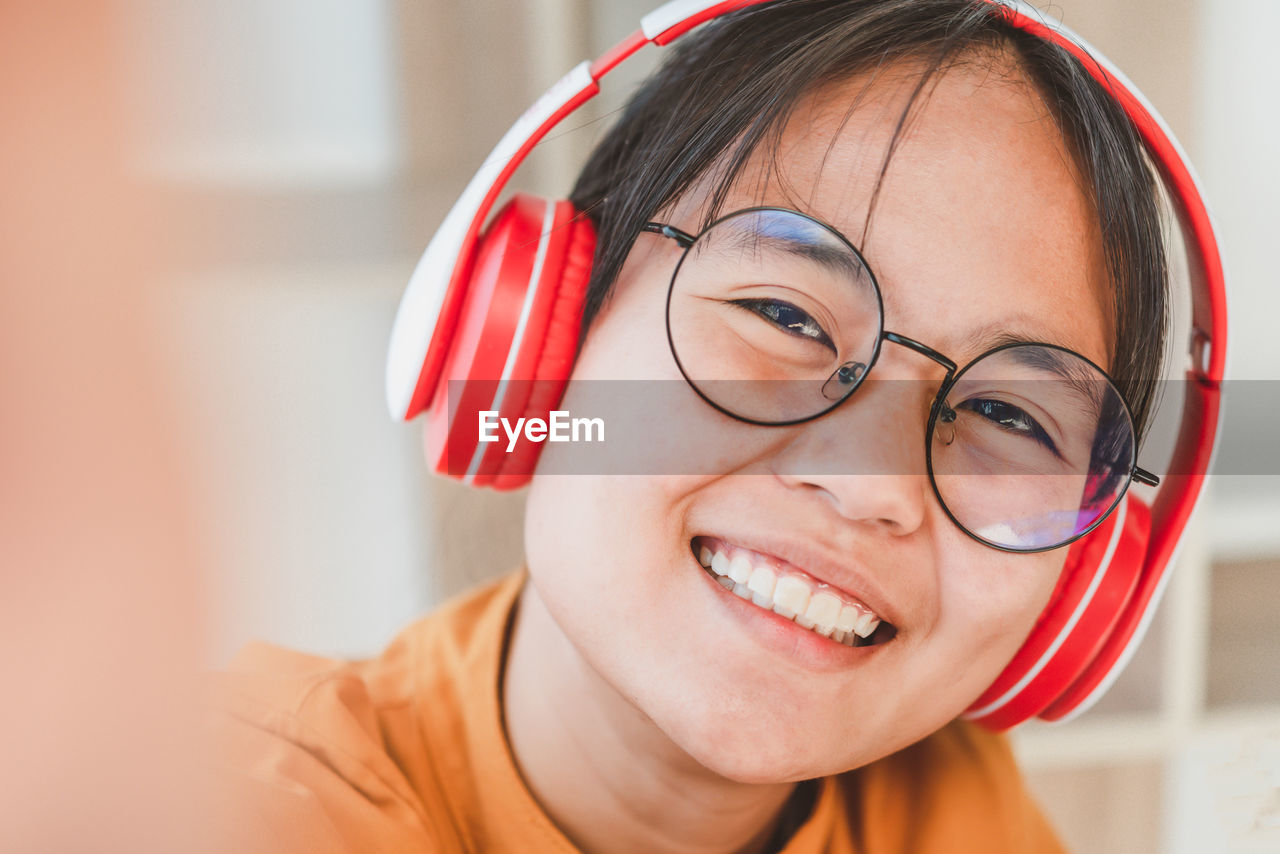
point(745, 739)
point(752, 762)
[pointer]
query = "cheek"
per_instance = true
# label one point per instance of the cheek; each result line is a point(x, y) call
point(655, 423)
point(990, 603)
point(627, 339)
point(606, 554)
point(610, 560)
point(986, 604)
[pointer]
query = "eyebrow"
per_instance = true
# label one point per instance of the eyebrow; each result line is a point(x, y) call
point(837, 259)
point(1022, 328)
point(1087, 384)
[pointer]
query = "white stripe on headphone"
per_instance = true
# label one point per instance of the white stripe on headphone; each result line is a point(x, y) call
point(671, 14)
point(1148, 612)
point(1004, 699)
point(548, 219)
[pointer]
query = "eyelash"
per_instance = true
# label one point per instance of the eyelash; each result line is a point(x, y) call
point(983, 406)
point(771, 309)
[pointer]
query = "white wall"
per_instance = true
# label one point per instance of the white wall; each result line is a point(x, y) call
point(264, 93)
point(1239, 160)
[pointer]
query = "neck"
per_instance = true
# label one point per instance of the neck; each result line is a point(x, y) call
point(605, 774)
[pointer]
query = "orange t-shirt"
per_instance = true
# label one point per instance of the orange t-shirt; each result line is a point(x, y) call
point(406, 752)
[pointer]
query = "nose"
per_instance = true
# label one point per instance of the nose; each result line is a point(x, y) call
point(866, 457)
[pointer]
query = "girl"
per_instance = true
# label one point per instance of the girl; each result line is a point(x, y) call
point(896, 268)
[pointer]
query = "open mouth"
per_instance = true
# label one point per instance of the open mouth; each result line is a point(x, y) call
point(791, 593)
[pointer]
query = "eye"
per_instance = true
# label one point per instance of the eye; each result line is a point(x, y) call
point(1010, 418)
point(788, 318)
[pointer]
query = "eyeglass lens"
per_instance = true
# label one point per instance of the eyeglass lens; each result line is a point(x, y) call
point(775, 318)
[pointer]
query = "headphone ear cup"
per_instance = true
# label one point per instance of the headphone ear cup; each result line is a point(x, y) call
point(515, 339)
point(1104, 666)
point(1099, 577)
point(553, 353)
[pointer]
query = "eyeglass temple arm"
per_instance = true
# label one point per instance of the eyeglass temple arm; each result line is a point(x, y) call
point(1141, 475)
point(684, 238)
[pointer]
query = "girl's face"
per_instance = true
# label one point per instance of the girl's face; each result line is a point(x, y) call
point(980, 232)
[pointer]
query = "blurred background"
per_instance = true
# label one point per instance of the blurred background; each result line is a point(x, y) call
point(212, 209)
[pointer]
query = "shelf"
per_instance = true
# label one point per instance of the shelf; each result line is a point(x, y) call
point(1242, 518)
point(1243, 664)
point(1101, 741)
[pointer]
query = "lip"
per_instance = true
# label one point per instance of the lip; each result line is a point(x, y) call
point(784, 637)
point(822, 567)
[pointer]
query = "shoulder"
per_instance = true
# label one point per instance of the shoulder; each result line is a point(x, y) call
point(298, 758)
point(320, 754)
point(957, 791)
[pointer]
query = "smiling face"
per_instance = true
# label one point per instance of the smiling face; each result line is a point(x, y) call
point(980, 233)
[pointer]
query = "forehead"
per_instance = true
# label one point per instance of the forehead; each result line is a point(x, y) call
point(979, 227)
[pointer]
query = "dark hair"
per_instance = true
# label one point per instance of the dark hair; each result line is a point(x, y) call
point(728, 88)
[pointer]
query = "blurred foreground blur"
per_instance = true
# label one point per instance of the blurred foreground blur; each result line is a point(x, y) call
point(100, 627)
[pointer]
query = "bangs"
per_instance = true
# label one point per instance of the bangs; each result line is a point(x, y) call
point(726, 93)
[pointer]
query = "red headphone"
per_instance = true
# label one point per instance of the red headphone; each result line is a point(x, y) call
point(488, 311)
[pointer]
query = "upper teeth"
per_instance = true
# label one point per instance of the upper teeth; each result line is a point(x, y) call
point(790, 594)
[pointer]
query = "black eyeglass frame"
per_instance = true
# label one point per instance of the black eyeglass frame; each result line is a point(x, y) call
point(953, 372)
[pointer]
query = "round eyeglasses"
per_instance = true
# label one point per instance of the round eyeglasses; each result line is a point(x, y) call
point(774, 318)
